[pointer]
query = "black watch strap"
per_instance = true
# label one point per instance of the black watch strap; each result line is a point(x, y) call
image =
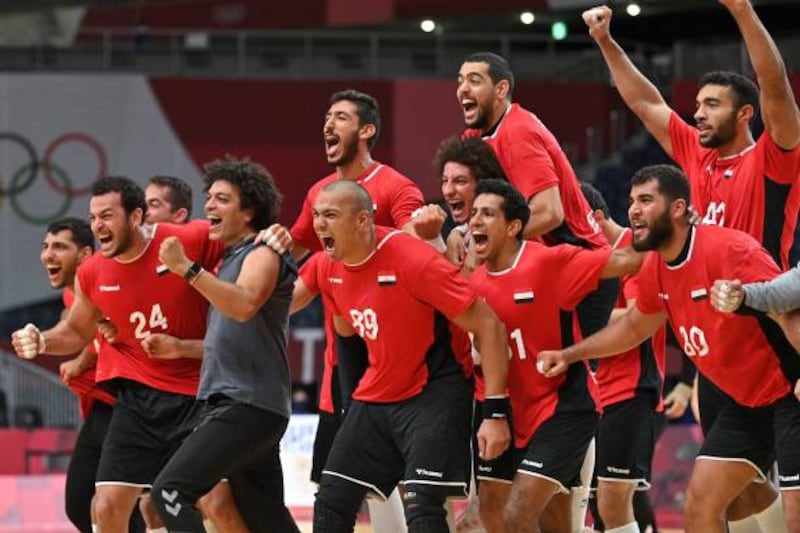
point(193, 271)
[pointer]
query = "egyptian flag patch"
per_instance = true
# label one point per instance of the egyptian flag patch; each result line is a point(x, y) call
point(524, 297)
point(386, 279)
point(699, 294)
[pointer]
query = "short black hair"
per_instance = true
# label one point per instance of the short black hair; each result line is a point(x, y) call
point(257, 189)
point(366, 108)
point(671, 181)
point(745, 92)
point(499, 68)
point(595, 198)
point(180, 194)
point(130, 191)
point(81, 230)
point(514, 205)
point(471, 152)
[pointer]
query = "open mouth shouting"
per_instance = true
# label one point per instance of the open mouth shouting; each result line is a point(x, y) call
point(470, 108)
point(480, 243)
point(332, 143)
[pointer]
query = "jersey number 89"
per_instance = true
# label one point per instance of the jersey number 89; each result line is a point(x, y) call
point(365, 323)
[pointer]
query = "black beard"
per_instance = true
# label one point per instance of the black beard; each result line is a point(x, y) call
point(348, 155)
point(659, 233)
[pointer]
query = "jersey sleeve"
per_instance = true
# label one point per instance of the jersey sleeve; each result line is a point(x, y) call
point(406, 199)
point(648, 301)
point(529, 166)
point(630, 287)
point(745, 259)
point(303, 228)
point(440, 284)
point(309, 272)
point(782, 166)
point(684, 141)
point(577, 271)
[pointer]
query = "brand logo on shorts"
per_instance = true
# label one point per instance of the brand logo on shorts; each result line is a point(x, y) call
point(615, 470)
point(429, 473)
point(109, 288)
point(534, 464)
point(795, 477)
point(174, 510)
point(482, 468)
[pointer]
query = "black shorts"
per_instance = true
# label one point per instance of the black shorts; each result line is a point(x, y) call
point(557, 450)
point(423, 441)
point(147, 426)
point(787, 439)
point(327, 426)
point(502, 468)
point(626, 437)
point(741, 434)
point(710, 400)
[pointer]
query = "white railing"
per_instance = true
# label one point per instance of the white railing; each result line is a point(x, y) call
point(27, 385)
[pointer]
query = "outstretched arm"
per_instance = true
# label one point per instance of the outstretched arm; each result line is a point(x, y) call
point(639, 94)
point(778, 107)
point(630, 330)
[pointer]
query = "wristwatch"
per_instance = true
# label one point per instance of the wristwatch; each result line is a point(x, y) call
point(193, 271)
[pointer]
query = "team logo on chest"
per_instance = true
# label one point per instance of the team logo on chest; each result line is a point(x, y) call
point(387, 279)
point(523, 297)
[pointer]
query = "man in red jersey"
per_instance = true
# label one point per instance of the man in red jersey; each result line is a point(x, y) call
point(410, 414)
point(67, 244)
point(121, 283)
point(633, 413)
point(736, 181)
point(534, 163)
point(534, 290)
point(350, 131)
point(748, 358)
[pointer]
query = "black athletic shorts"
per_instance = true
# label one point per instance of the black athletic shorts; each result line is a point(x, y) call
point(423, 441)
point(557, 450)
point(147, 426)
point(626, 437)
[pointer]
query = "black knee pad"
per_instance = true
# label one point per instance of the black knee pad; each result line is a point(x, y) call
point(337, 496)
point(425, 511)
point(328, 520)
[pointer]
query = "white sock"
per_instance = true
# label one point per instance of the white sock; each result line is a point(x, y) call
point(157, 530)
point(633, 527)
point(771, 518)
point(579, 496)
point(209, 526)
point(745, 525)
point(95, 529)
point(388, 516)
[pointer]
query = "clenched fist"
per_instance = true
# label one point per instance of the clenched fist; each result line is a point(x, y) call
point(28, 342)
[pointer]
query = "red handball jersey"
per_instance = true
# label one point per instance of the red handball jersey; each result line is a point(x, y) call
point(740, 354)
point(394, 196)
point(84, 385)
point(533, 161)
point(637, 372)
point(400, 300)
point(140, 302)
point(535, 298)
point(753, 191)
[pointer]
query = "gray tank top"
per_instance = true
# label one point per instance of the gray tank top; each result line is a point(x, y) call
point(246, 361)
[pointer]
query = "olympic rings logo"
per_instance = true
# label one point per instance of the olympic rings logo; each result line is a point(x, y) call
point(56, 177)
